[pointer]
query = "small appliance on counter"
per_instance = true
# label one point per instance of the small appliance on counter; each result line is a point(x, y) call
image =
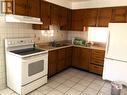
point(78, 41)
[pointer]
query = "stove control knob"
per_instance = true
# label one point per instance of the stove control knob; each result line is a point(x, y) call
point(9, 43)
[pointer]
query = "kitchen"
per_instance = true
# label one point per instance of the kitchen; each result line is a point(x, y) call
point(71, 25)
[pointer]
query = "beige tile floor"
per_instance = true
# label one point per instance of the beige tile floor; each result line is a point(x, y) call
point(72, 82)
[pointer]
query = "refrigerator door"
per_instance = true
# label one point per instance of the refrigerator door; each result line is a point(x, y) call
point(117, 42)
point(115, 71)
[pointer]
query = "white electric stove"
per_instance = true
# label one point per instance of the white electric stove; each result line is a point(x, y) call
point(26, 66)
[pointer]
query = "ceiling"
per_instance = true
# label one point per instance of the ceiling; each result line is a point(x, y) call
point(79, 0)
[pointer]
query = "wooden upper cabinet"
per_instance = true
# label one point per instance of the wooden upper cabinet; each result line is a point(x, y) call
point(69, 19)
point(77, 20)
point(90, 17)
point(55, 15)
point(104, 17)
point(26, 7)
point(63, 18)
point(59, 16)
point(45, 16)
point(19, 7)
point(119, 14)
point(33, 8)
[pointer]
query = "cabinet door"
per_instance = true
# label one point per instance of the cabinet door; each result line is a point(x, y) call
point(20, 7)
point(45, 16)
point(119, 14)
point(68, 57)
point(61, 59)
point(69, 19)
point(55, 16)
point(52, 63)
point(90, 17)
point(104, 17)
point(84, 58)
point(63, 18)
point(33, 8)
point(77, 20)
point(76, 57)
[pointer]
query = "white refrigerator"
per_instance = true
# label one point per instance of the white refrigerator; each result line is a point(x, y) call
point(115, 62)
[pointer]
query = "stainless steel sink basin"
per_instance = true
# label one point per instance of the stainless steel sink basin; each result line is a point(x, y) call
point(58, 44)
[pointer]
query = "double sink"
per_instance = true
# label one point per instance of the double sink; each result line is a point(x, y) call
point(57, 44)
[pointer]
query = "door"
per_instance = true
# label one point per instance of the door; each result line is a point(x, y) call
point(68, 57)
point(119, 15)
point(45, 15)
point(20, 7)
point(84, 58)
point(55, 16)
point(34, 67)
point(52, 62)
point(90, 17)
point(33, 8)
point(63, 18)
point(104, 17)
point(117, 45)
point(61, 60)
point(115, 71)
point(75, 57)
point(77, 20)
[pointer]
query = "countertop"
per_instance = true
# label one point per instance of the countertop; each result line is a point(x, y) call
point(50, 48)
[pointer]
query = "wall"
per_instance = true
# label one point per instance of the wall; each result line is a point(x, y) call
point(13, 30)
point(80, 34)
point(98, 3)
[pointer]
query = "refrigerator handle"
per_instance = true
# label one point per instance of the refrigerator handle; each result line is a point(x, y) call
point(107, 48)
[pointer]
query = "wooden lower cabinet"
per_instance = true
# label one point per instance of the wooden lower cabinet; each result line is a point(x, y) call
point(81, 58)
point(68, 57)
point(91, 60)
point(84, 58)
point(96, 69)
point(97, 61)
point(75, 57)
point(52, 63)
point(59, 60)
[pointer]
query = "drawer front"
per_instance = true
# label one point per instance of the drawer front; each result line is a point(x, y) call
point(95, 69)
point(98, 53)
point(97, 57)
point(98, 61)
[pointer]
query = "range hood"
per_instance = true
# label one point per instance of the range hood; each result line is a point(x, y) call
point(22, 19)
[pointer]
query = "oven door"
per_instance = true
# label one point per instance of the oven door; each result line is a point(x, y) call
point(34, 67)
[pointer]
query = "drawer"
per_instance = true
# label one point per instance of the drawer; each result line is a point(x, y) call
point(98, 52)
point(98, 61)
point(97, 57)
point(95, 69)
